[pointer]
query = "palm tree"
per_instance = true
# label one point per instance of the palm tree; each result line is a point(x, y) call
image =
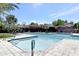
point(5, 8)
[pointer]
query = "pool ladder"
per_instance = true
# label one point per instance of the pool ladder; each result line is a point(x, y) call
point(32, 47)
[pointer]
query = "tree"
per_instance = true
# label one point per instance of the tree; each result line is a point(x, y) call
point(71, 22)
point(10, 19)
point(1, 23)
point(76, 25)
point(65, 21)
point(6, 7)
point(32, 23)
point(11, 22)
point(58, 22)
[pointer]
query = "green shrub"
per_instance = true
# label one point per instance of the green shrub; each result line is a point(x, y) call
point(5, 35)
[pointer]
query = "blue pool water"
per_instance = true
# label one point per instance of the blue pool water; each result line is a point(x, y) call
point(42, 41)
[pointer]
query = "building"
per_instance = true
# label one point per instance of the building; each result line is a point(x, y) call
point(68, 28)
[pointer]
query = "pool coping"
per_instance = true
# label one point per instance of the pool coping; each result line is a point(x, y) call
point(21, 36)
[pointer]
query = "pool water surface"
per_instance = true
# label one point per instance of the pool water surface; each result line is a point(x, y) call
point(43, 41)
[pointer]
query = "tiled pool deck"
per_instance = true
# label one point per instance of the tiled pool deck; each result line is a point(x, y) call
point(7, 49)
point(65, 47)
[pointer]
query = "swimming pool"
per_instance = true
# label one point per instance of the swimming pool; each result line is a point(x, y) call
point(42, 42)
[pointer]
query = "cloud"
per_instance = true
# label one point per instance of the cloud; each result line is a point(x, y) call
point(67, 12)
point(35, 5)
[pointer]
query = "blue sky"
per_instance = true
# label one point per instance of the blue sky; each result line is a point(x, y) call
point(46, 13)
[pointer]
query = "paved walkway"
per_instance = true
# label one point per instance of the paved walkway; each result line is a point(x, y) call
point(65, 47)
point(7, 49)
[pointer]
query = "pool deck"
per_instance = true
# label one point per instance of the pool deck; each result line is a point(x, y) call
point(64, 47)
point(75, 34)
point(7, 49)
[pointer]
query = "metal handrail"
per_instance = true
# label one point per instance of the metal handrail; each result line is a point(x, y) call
point(32, 47)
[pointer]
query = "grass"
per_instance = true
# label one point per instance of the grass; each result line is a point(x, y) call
point(6, 35)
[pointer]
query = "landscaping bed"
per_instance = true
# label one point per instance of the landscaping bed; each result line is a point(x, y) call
point(6, 35)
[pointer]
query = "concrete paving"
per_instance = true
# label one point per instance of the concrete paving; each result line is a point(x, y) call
point(65, 47)
point(7, 49)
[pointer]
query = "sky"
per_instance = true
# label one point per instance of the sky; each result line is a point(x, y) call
point(46, 12)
